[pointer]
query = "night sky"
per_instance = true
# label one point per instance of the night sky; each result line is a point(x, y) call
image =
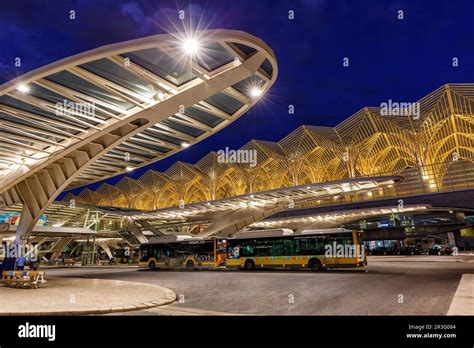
point(402, 60)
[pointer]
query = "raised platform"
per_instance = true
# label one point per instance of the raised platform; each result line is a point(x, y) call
point(74, 296)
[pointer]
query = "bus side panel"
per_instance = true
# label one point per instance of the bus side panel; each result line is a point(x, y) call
point(299, 250)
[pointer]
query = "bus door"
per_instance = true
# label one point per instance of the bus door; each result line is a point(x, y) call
point(320, 245)
point(234, 253)
point(167, 255)
point(359, 242)
point(220, 252)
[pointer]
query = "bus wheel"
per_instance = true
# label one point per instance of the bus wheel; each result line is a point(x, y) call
point(315, 265)
point(152, 265)
point(249, 265)
point(190, 264)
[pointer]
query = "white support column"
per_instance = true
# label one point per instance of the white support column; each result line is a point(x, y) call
point(227, 223)
point(104, 245)
point(133, 228)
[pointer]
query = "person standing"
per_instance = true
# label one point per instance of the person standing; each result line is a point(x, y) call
point(20, 265)
point(34, 263)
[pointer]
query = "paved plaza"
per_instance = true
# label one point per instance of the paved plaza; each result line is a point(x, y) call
point(69, 296)
point(390, 285)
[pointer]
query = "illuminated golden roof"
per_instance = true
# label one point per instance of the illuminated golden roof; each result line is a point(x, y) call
point(366, 143)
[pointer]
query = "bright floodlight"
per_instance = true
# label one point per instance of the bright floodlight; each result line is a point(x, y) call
point(183, 144)
point(255, 92)
point(129, 169)
point(23, 88)
point(191, 46)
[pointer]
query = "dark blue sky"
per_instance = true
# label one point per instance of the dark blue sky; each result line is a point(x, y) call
point(389, 58)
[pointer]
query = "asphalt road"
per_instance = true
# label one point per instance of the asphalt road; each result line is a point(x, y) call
point(388, 286)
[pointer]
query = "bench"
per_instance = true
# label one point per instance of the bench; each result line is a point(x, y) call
point(106, 262)
point(23, 278)
point(69, 262)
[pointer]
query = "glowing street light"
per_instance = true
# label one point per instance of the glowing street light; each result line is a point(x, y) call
point(191, 46)
point(23, 88)
point(255, 92)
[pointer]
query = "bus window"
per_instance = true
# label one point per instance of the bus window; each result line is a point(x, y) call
point(263, 247)
point(312, 246)
point(277, 247)
point(200, 251)
point(344, 239)
point(145, 253)
point(247, 250)
point(289, 246)
point(360, 238)
point(167, 250)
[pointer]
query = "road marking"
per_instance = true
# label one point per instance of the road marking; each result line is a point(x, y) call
point(463, 300)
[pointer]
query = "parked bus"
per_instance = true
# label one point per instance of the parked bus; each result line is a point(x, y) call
point(314, 249)
point(183, 252)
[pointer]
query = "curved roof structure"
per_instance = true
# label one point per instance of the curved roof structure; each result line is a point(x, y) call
point(139, 101)
point(368, 143)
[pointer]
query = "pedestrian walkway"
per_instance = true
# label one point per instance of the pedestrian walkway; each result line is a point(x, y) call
point(463, 300)
point(422, 258)
point(78, 265)
point(75, 296)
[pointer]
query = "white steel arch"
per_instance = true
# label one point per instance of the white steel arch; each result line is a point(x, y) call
point(150, 100)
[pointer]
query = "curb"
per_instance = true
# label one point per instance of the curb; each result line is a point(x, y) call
point(169, 298)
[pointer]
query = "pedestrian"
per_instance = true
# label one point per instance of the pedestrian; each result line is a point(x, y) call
point(20, 265)
point(34, 263)
point(62, 258)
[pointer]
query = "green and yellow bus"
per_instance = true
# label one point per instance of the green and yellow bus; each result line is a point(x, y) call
point(314, 249)
point(174, 252)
